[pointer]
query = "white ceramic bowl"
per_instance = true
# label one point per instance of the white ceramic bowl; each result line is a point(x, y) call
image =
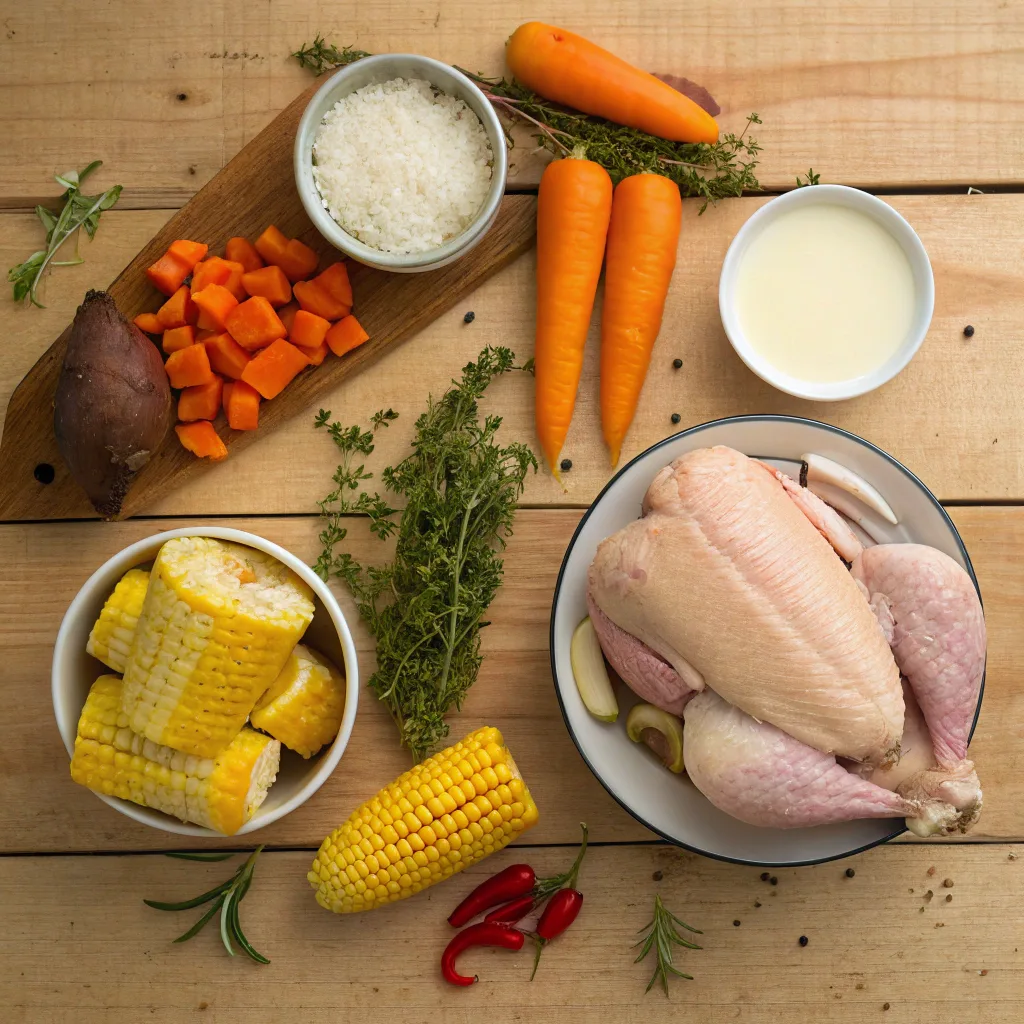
point(670, 804)
point(383, 68)
point(74, 672)
point(894, 224)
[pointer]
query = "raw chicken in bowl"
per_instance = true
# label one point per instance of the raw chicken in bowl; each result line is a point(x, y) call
point(828, 674)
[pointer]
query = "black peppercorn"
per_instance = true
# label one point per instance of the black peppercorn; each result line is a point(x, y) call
point(675, 417)
point(735, 924)
point(658, 876)
point(968, 331)
point(773, 880)
point(764, 876)
point(469, 317)
point(565, 465)
point(803, 940)
point(44, 473)
point(677, 364)
point(850, 872)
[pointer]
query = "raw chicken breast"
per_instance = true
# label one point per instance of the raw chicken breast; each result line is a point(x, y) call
point(724, 573)
point(763, 776)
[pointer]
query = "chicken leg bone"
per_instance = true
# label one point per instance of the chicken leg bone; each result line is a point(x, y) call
point(763, 776)
point(930, 612)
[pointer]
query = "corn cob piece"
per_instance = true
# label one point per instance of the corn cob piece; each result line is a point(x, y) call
point(111, 635)
point(217, 627)
point(442, 816)
point(304, 705)
point(221, 793)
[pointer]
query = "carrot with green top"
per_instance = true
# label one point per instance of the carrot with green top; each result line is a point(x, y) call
point(642, 241)
point(573, 208)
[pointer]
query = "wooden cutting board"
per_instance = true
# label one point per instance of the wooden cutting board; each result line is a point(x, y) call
point(255, 189)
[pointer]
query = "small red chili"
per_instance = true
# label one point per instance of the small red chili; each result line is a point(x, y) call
point(515, 880)
point(563, 909)
point(481, 934)
point(512, 912)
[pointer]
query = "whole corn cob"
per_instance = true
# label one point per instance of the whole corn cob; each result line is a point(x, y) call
point(221, 793)
point(304, 705)
point(112, 634)
point(217, 626)
point(447, 813)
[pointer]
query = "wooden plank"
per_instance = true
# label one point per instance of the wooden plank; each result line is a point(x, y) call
point(874, 942)
point(254, 190)
point(884, 94)
point(952, 416)
point(41, 809)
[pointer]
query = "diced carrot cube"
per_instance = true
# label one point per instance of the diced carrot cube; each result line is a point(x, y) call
point(241, 250)
point(215, 303)
point(334, 280)
point(315, 355)
point(226, 355)
point(271, 245)
point(271, 283)
point(201, 439)
point(273, 369)
point(190, 253)
point(314, 299)
point(243, 407)
point(149, 322)
point(254, 324)
point(308, 330)
point(299, 260)
point(219, 271)
point(188, 367)
point(200, 402)
point(287, 315)
point(178, 310)
point(346, 335)
point(179, 337)
point(168, 273)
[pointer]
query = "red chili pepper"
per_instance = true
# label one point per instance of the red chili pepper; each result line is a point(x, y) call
point(481, 934)
point(563, 909)
point(515, 880)
point(512, 912)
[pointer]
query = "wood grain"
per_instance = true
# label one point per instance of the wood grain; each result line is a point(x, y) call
point(41, 809)
point(926, 92)
point(952, 416)
point(874, 941)
point(254, 190)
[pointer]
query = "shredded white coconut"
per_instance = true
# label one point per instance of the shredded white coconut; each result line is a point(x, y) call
point(402, 166)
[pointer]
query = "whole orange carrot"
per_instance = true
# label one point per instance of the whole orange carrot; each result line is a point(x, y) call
point(569, 69)
point(573, 207)
point(642, 240)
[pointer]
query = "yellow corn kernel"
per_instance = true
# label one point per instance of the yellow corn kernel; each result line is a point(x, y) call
point(440, 829)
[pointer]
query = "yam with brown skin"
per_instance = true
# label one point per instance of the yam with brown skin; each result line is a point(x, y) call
point(113, 402)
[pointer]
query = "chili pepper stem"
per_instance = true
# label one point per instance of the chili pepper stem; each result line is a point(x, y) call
point(540, 944)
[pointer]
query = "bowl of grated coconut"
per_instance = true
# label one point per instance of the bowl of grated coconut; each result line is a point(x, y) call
point(400, 162)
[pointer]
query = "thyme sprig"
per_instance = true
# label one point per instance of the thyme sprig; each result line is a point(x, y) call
point(706, 171)
point(661, 936)
point(426, 606)
point(225, 898)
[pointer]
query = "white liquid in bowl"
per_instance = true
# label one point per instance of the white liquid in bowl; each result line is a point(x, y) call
point(825, 294)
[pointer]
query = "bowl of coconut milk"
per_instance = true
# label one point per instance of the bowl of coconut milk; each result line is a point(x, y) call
point(826, 292)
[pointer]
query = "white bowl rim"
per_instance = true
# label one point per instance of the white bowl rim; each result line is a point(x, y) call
point(455, 247)
point(697, 428)
point(132, 556)
point(901, 230)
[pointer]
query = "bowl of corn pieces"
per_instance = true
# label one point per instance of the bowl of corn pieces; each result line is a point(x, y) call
point(204, 682)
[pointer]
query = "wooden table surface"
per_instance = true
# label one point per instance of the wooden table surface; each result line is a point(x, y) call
point(917, 100)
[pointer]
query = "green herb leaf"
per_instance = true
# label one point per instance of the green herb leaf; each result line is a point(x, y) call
point(78, 211)
point(809, 179)
point(425, 608)
point(661, 935)
point(321, 56)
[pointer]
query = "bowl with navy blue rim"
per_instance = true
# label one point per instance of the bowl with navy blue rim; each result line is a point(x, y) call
point(668, 804)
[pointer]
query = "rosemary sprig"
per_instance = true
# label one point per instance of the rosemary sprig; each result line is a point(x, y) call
point(425, 607)
point(321, 56)
point(706, 171)
point(225, 897)
point(662, 936)
point(78, 211)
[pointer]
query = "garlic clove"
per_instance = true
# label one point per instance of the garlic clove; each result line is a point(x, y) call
point(825, 471)
point(658, 730)
point(591, 674)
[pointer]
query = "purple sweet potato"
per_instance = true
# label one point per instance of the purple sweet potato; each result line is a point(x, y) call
point(113, 402)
